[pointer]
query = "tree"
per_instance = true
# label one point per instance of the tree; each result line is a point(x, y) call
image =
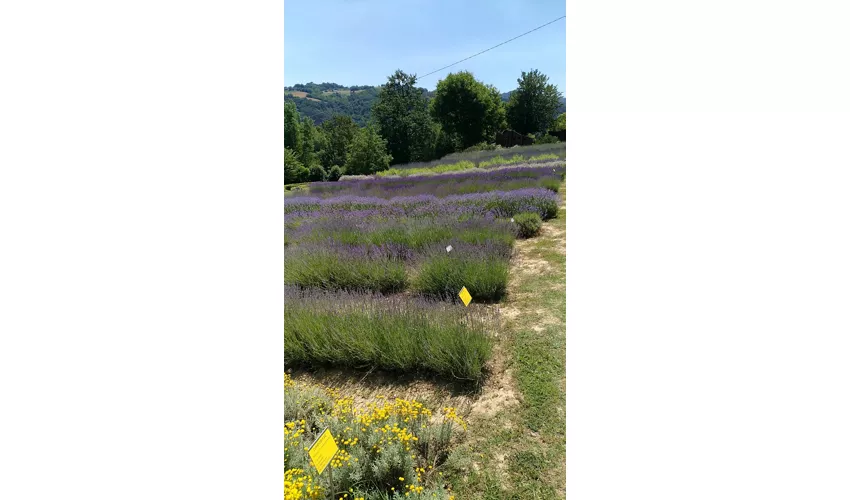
point(532, 106)
point(291, 127)
point(316, 173)
point(308, 141)
point(334, 173)
point(340, 131)
point(367, 153)
point(293, 170)
point(401, 115)
point(468, 109)
point(560, 122)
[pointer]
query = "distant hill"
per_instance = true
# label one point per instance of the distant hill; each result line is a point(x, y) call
point(320, 101)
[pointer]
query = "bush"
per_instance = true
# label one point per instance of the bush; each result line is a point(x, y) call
point(390, 333)
point(443, 276)
point(552, 185)
point(334, 173)
point(529, 224)
point(546, 139)
point(317, 173)
point(370, 463)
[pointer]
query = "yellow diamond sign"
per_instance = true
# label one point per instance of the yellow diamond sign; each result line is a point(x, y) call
point(464, 296)
point(323, 450)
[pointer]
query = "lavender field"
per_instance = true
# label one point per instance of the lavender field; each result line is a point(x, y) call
point(373, 265)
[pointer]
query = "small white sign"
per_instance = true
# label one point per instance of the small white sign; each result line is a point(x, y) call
point(448, 249)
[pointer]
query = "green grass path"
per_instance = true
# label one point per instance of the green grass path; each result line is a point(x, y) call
point(518, 453)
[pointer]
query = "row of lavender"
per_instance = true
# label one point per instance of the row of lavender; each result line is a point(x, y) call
point(547, 174)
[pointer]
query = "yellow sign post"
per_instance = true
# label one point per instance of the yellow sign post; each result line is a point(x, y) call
point(323, 450)
point(464, 296)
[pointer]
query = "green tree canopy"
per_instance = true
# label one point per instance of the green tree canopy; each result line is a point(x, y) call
point(340, 131)
point(532, 106)
point(560, 122)
point(367, 153)
point(468, 109)
point(402, 117)
point(291, 127)
point(293, 170)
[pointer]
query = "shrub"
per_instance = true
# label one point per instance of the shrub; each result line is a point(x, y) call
point(443, 276)
point(546, 139)
point(378, 446)
point(552, 185)
point(317, 173)
point(334, 173)
point(391, 333)
point(529, 224)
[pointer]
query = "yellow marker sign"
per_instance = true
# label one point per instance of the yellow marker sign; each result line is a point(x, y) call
point(464, 296)
point(323, 450)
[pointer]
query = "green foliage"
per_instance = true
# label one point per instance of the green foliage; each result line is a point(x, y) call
point(388, 333)
point(340, 132)
point(334, 173)
point(443, 276)
point(545, 139)
point(439, 169)
point(293, 170)
point(367, 153)
point(330, 271)
point(552, 184)
point(291, 127)
point(560, 122)
point(401, 114)
point(316, 173)
point(401, 462)
point(481, 146)
point(444, 143)
point(533, 105)
point(529, 224)
point(308, 141)
point(468, 108)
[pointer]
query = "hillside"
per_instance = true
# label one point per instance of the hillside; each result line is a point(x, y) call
point(320, 101)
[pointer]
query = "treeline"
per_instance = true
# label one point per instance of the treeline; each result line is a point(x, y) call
point(406, 126)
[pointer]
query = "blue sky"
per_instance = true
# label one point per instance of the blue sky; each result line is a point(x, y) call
point(361, 42)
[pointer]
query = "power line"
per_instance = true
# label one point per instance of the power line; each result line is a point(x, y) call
point(491, 48)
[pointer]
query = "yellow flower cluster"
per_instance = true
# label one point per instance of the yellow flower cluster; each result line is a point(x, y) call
point(381, 424)
point(297, 485)
point(452, 416)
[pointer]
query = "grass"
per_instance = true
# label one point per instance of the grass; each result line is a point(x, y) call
point(439, 169)
point(400, 334)
point(519, 453)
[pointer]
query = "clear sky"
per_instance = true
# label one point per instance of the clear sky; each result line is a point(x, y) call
point(361, 42)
